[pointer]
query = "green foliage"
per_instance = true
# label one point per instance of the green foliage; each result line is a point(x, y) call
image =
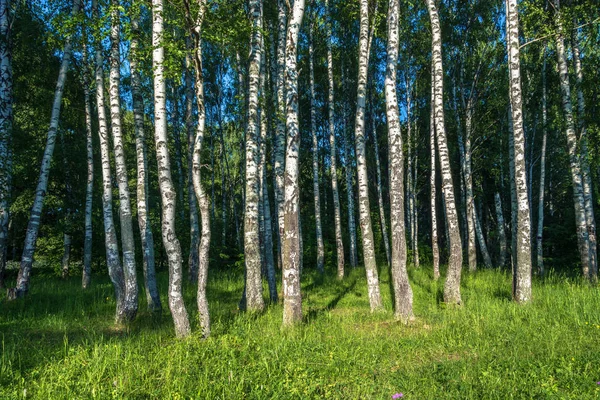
point(60, 343)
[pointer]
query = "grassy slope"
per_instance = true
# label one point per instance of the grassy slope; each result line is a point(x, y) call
point(60, 343)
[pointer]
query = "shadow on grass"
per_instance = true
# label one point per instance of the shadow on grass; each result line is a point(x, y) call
point(314, 312)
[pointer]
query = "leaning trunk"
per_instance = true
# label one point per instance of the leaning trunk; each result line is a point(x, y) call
point(33, 226)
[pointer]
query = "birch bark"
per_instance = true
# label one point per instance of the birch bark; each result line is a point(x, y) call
point(574, 158)
point(292, 298)
point(33, 225)
point(252, 254)
point(402, 290)
point(452, 284)
point(522, 286)
point(315, 156)
point(333, 148)
point(433, 187)
point(113, 261)
point(127, 242)
point(540, 227)
point(361, 163)
point(147, 238)
point(87, 244)
point(167, 191)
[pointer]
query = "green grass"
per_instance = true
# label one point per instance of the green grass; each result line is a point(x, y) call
point(60, 342)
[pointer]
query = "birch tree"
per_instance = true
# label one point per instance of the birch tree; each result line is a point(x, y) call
point(402, 290)
point(201, 195)
point(33, 226)
point(89, 189)
point(113, 260)
point(585, 166)
point(292, 299)
point(361, 163)
point(6, 124)
point(280, 134)
point(147, 238)
point(433, 188)
point(522, 270)
point(574, 158)
point(333, 148)
point(540, 227)
point(252, 254)
point(315, 154)
point(167, 190)
point(452, 284)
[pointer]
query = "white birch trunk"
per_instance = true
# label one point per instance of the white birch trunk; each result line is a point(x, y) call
point(252, 254)
point(574, 158)
point(361, 163)
point(501, 229)
point(127, 242)
point(113, 260)
point(522, 286)
point(315, 156)
point(452, 284)
point(292, 298)
point(147, 239)
point(201, 196)
point(332, 142)
point(192, 202)
point(433, 189)
point(6, 125)
point(585, 166)
point(33, 226)
point(382, 220)
point(269, 261)
point(402, 290)
point(167, 191)
point(280, 134)
point(540, 227)
point(487, 260)
point(87, 244)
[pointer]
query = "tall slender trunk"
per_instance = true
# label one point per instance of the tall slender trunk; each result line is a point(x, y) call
point(415, 219)
point(315, 156)
point(348, 170)
point(252, 255)
point(280, 134)
point(501, 230)
point(201, 196)
point(127, 242)
point(6, 125)
point(452, 284)
point(433, 188)
point(487, 260)
point(333, 148)
point(464, 146)
point(89, 190)
point(269, 261)
point(361, 163)
point(402, 290)
point(147, 239)
point(113, 260)
point(68, 200)
point(513, 191)
point(33, 226)
point(167, 191)
point(585, 165)
point(522, 271)
point(178, 151)
point(540, 227)
point(384, 232)
point(191, 134)
point(574, 157)
point(292, 299)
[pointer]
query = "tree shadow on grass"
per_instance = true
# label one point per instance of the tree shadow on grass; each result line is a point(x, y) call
point(316, 311)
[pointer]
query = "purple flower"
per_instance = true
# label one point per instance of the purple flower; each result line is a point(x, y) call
point(597, 383)
point(399, 395)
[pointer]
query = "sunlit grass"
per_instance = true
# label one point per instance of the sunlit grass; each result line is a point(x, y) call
point(60, 342)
